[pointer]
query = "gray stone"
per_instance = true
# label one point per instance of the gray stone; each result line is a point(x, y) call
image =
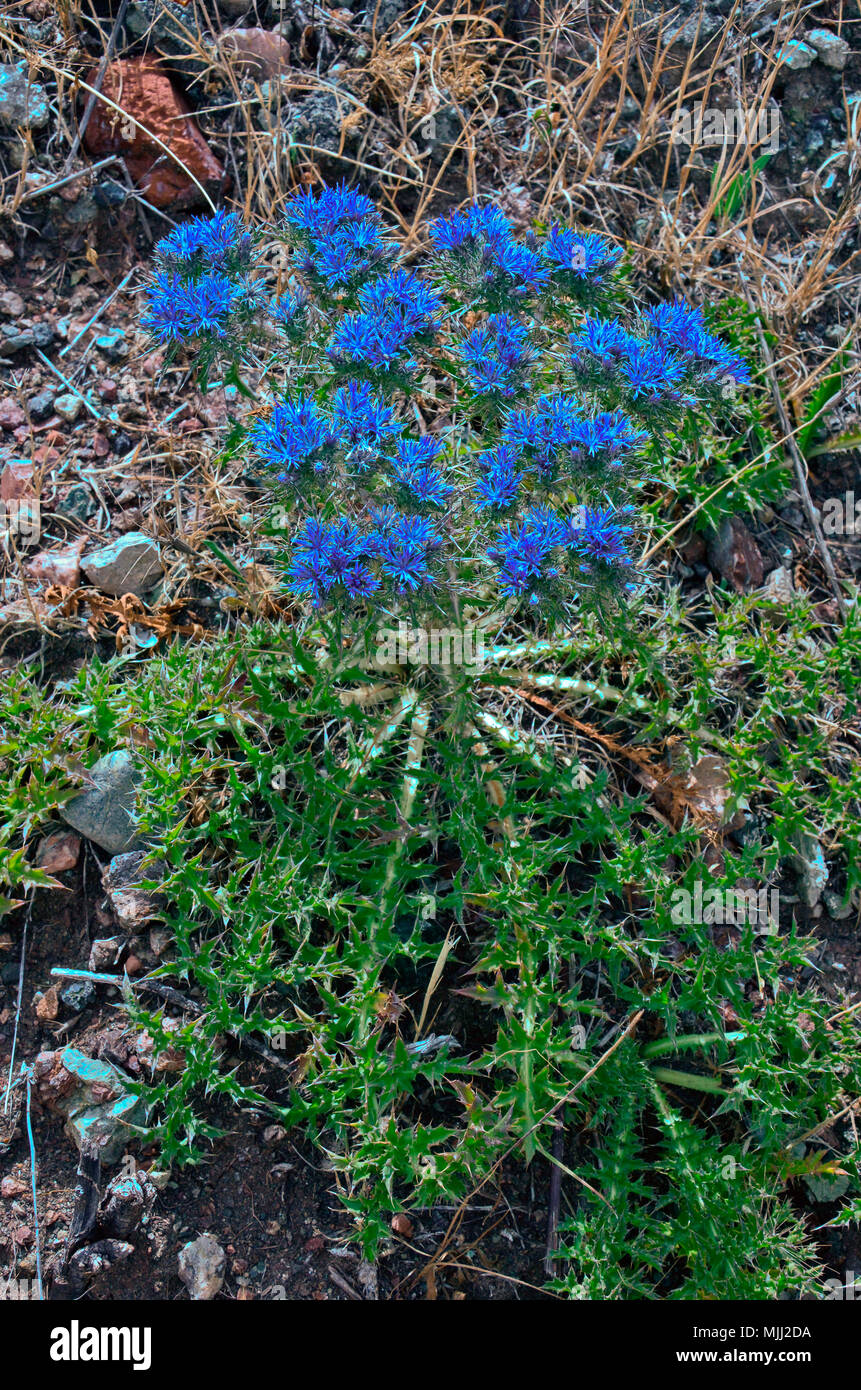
point(127, 1201)
point(809, 863)
point(163, 22)
point(133, 905)
point(93, 1097)
point(201, 1267)
point(438, 132)
point(105, 952)
point(77, 995)
point(68, 407)
point(78, 503)
point(112, 344)
point(130, 565)
point(40, 405)
point(778, 587)
point(796, 55)
point(22, 101)
point(14, 339)
point(82, 211)
point(91, 1261)
point(830, 48)
point(316, 125)
point(104, 812)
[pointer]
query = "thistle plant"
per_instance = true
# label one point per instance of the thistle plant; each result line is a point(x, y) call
point(468, 438)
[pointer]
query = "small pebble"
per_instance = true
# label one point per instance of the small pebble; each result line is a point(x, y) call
point(69, 407)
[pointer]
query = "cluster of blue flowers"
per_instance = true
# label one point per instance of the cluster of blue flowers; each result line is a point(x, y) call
point(200, 284)
point(340, 559)
point(533, 554)
point(678, 362)
point(497, 356)
point(520, 421)
point(338, 236)
point(394, 311)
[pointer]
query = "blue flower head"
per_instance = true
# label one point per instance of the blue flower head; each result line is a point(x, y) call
point(339, 235)
point(394, 311)
point(581, 262)
point(681, 329)
point(527, 553)
point(364, 424)
point(496, 356)
point(598, 537)
point(405, 546)
point(215, 243)
point(416, 473)
point(498, 487)
point(478, 249)
point(295, 439)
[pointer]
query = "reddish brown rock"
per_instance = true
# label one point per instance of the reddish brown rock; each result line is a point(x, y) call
point(58, 566)
point(12, 1187)
point(11, 414)
point(17, 481)
point(59, 852)
point(48, 1006)
point(151, 105)
point(735, 555)
point(256, 53)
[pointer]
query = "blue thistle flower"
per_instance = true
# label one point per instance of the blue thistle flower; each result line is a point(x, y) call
point(405, 546)
point(166, 316)
point(295, 439)
point(479, 248)
point(499, 485)
point(598, 537)
point(362, 422)
point(651, 372)
point(320, 213)
point(602, 339)
point(681, 328)
point(497, 355)
point(215, 243)
point(414, 470)
point(583, 256)
point(290, 311)
point(394, 309)
point(608, 435)
point(526, 552)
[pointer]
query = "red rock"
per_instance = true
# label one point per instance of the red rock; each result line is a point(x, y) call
point(12, 1187)
point(256, 53)
point(22, 1235)
point(735, 555)
point(59, 566)
point(46, 455)
point(147, 95)
point(107, 389)
point(59, 852)
point(101, 446)
point(17, 480)
point(11, 414)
